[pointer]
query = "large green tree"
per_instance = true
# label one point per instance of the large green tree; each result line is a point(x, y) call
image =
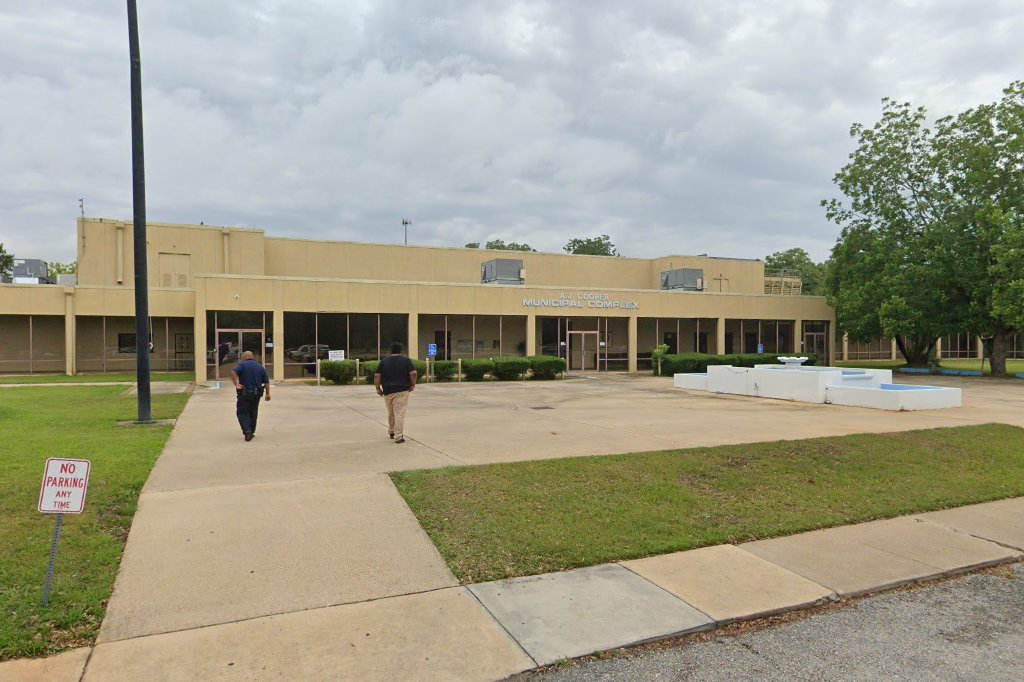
point(980, 164)
point(933, 231)
point(884, 280)
point(501, 245)
point(592, 246)
point(6, 263)
point(797, 260)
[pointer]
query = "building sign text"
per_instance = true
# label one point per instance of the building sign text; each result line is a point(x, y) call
point(580, 300)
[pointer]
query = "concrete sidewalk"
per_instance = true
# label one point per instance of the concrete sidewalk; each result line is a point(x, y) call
point(294, 556)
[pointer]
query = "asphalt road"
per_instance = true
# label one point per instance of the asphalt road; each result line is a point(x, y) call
point(968, 628)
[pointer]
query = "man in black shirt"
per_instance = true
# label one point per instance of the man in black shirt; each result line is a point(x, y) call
point(250, 382)
point(395, 379)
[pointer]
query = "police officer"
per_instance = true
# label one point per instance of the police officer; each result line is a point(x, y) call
point(251, 383)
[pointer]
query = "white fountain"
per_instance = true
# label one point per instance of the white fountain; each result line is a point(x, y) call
point(791, 381)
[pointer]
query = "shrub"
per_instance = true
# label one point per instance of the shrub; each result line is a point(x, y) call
point(657, 355)
point(508, 368)
point(476, 368)
point(421, 369)
point(444, 370)
point(685, 363)
point(546, 366)
point(342, 372)
point(368, 368)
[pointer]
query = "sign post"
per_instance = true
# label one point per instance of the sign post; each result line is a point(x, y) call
point(760, 348)
point(65, 482)
point(432, 352)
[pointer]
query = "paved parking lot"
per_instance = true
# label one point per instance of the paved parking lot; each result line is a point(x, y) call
point(478, 423)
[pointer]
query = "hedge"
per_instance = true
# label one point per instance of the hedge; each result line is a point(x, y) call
point(686, 363)
point(444, 370)
point(370, 366)
point(546, 366)
point(339, 372)
point(509, 368)
point(476, 368)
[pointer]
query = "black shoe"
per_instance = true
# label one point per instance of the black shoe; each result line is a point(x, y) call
point(400, 440)
point(249, 436)
point(391, 435)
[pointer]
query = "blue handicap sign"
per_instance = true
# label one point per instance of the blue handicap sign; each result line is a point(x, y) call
point(432, 349)
point(760, 348)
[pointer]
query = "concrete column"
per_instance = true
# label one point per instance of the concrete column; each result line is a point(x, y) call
point(632, 341)
point(279, 342)
point(69, 331)
point(199, 331)
point(798, 337)
point(980, 345)
point(720, 336)
point(414, 336)
point(120, 253)
point(531, 335)
point(894, 351)
point(938, 349)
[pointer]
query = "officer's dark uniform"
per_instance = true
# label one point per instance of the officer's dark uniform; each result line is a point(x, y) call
point(252, 376)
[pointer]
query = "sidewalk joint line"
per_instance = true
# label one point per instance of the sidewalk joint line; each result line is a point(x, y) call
point(278, 613)
point(88, 659)
point(502, 626)
point(714, 621)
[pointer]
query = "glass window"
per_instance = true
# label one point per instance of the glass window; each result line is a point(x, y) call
point(393, 327)
point(362, 336)
point(300, 345)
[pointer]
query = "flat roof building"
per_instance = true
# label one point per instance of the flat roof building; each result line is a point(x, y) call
point(217, 291)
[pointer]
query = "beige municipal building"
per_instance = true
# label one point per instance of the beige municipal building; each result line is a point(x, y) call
point(216, 292)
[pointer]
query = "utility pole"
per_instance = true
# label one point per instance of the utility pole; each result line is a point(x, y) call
point(405, 224)
point(139, 203)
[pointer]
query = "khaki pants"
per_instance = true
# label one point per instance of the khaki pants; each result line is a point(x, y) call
point(396, 412)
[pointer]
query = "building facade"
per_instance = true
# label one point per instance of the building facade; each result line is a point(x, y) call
point(216, 292)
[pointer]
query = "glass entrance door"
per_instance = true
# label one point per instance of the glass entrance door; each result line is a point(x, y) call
point(582, 353)
point(231, 343)
point(816, 340)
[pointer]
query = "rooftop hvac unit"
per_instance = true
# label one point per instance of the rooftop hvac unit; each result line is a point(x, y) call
point(502, 271)
point(31, 267)
point(689, 279)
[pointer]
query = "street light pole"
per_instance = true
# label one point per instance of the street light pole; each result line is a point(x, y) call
point(405, 224)
point(139, 202)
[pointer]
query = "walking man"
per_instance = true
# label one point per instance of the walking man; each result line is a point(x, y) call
point(395, 379)
point(251, 381)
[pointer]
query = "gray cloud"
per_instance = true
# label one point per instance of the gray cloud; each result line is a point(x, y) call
point(688, 127)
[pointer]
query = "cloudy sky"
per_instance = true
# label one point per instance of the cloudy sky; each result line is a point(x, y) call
point(675, 127)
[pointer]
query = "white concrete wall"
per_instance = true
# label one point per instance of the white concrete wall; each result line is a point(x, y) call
point(791, 384)
point(694, 382)
point(729, 379)
point(931, 398)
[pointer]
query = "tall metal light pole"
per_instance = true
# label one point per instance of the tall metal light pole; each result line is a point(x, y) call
point(405, 224)
point(139, 202)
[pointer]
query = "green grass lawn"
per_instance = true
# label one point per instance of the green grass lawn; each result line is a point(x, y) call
point(1012, 366)
point(91, 378)
point(505, 520)
point(78, 422)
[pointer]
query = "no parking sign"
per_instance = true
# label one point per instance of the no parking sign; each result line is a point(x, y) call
point(65, 482)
